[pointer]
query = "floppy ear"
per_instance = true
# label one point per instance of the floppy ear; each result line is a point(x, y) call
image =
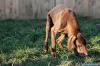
point(71, 40)
point(81, 38)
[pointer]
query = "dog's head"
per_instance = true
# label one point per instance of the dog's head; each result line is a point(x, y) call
point(78, 43)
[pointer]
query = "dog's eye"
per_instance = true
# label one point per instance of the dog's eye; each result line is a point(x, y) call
point(79, 45)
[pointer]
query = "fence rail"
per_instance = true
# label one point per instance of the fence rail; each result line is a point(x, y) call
point(37, 9)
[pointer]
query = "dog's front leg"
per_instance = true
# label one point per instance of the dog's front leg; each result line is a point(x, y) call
point(60, 40)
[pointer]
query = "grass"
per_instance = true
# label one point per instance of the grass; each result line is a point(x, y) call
point(21, 44)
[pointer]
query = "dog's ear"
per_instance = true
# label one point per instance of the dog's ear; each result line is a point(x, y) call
point(81, 39)
point(71, 42)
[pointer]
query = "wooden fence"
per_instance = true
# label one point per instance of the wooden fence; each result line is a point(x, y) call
point(33, 9)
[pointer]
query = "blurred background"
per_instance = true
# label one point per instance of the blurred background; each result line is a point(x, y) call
point(37, 9)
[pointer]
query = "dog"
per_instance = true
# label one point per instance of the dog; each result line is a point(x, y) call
point(63, 20)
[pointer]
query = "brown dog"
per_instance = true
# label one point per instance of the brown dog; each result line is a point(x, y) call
point(63, 20)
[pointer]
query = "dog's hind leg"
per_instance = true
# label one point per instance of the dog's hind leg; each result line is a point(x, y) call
point(49, 24)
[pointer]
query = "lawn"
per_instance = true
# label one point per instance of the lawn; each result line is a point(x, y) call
point(21, 44)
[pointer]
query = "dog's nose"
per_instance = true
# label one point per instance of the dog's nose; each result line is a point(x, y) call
point(83, 54)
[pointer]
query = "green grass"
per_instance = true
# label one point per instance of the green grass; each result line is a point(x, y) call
point(21, 44)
